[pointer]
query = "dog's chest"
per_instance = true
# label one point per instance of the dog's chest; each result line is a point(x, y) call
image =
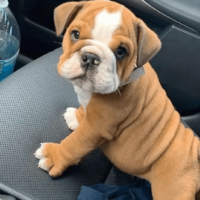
point(83, 96)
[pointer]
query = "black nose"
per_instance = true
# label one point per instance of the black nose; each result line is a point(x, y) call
point(90, 60)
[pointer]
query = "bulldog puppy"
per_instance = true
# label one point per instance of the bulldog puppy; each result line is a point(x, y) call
point(135, 125)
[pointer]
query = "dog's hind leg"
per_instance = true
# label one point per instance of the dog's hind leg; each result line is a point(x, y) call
point(174, 187)
point(177, 182)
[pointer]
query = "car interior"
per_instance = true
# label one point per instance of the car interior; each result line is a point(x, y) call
point(34, 98)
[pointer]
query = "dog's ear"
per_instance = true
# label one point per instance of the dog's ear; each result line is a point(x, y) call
point(148, 43)
point(64, 15)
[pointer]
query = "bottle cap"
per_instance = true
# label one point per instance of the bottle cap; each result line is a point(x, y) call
point(3, 3)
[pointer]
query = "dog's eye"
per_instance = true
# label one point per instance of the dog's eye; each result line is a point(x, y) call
point(75, 35)
point(120, 52)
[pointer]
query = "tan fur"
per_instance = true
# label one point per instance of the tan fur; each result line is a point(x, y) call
point(80, 114)
point(63, 15)
point(139, 130)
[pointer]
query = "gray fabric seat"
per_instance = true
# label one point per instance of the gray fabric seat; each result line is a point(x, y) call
point(33, 101)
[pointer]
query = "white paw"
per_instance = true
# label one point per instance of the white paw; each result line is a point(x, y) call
point(70, 117)
point(39, 154)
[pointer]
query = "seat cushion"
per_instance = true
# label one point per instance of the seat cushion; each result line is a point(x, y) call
point(117, 177)
point(33, 101)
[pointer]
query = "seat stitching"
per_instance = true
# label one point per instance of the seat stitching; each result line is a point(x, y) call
point(179, 12)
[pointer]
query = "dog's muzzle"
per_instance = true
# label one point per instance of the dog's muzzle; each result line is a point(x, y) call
point(92, 67)
point(89, 60)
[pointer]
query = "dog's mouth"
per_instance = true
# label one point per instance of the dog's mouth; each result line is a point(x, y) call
point(83, 75)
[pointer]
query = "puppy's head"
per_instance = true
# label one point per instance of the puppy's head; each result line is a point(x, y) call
point(102, 44)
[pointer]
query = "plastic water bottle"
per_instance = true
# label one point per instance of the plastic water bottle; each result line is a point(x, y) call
point(9, 40)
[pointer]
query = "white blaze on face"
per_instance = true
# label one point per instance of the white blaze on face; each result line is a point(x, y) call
point(105, 25)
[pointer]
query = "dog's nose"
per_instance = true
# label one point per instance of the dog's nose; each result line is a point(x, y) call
point(90, 60)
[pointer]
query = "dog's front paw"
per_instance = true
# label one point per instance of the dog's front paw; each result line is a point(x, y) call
point(71, 120)
point(51, 159)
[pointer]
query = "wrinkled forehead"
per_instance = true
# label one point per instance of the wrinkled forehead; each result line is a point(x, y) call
point(102, 20)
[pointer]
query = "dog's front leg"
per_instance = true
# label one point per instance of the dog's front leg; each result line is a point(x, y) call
point(56, 158)
point(74, 117)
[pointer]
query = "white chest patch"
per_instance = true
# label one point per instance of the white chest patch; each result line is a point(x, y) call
point(83, 96)
point(105, 25)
